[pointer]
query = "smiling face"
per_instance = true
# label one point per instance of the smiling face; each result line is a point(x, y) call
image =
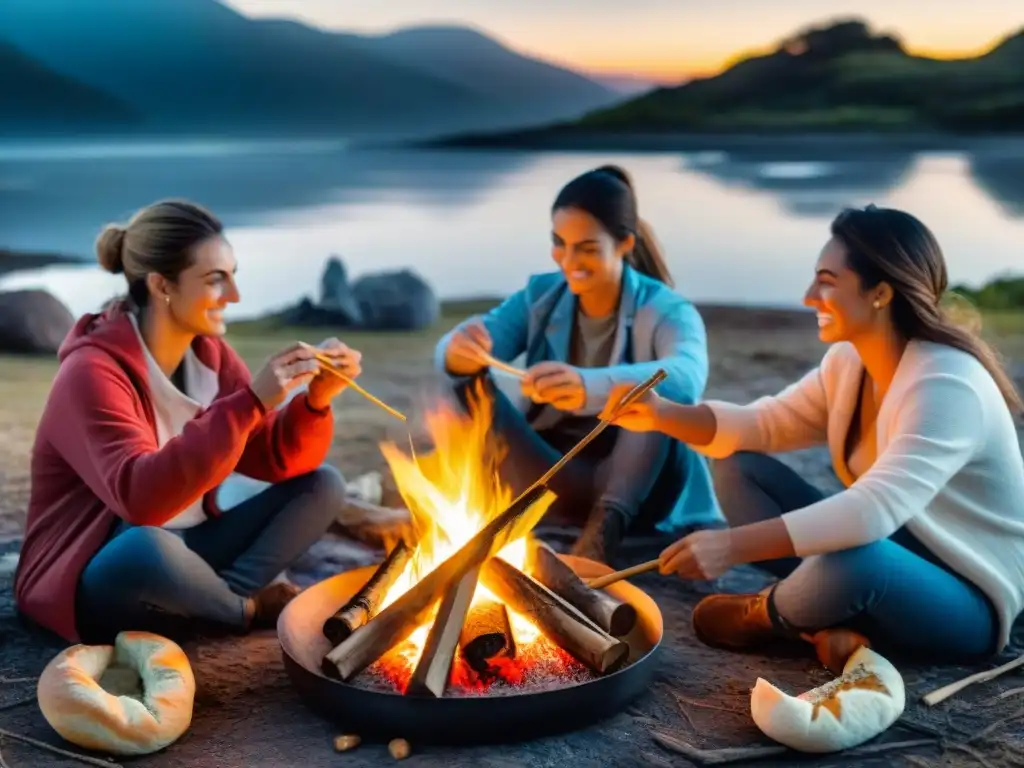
point(845, 310)
point(588, 255)
point(202, 291)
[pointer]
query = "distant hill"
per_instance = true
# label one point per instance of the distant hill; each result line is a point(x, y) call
point(839, 77)
point(197, 65)
point(527, 88)
point(34, 98)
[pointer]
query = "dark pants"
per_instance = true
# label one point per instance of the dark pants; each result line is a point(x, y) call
point(625, 470)
point(895, 591)
point(172, 581)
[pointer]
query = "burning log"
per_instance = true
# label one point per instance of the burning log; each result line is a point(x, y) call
point(609, 613)
point(486, 634)
point(431, 674)
point(555, 617)
point(395, 623)
point(364, 604)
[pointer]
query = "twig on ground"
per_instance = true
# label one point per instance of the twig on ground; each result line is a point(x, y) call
point(1009, 693)
point(943, 693)
point(918, 761)
point(3, 763)
point(706, 705)
point(728, 755)
point(969, 750)
point(57, 751)
point(18, 703)
point(988, 730)
point(15, 680)
point(918, 727)
point(686, 715)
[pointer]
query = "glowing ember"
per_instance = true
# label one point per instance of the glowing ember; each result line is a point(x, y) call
point(452, 493)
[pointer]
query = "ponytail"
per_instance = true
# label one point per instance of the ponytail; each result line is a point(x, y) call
point(646, 256)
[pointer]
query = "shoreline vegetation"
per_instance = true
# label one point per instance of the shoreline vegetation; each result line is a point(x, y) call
point(841, 80)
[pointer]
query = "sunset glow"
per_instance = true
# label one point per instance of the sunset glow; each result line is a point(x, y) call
point(668, 40)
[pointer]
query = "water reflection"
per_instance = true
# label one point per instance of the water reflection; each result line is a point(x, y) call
point(71, 192)
point(805, 185)
point(1001, 175)
point(744, 226)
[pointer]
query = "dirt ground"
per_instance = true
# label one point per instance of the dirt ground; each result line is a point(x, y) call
point(247, 713)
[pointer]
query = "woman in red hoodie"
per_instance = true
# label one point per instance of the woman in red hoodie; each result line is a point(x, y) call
point(151, 421)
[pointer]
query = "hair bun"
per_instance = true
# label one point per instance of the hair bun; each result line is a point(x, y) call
point(110, 248)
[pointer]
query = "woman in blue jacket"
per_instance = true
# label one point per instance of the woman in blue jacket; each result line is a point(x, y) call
point(606, 318)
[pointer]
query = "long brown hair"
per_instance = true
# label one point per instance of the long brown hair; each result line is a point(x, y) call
point(888, 245)
point(607, 194)
point(158, 238)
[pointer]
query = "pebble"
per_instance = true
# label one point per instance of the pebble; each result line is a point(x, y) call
point(399, 748)
point(346, 742)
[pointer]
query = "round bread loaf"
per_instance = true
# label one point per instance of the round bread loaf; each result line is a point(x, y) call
point(132, 698)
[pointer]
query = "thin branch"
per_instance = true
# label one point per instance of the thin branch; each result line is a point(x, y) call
point(18, 703)
point(969, 750)
point(57, 751)
point(15, 680)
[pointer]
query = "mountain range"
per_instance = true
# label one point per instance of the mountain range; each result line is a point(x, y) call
point(836, 77)
point(173, 66)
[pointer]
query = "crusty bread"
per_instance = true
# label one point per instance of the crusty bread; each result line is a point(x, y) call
point(132, 698)
point(856, 706)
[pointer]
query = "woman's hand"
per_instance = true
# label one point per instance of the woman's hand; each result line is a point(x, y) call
point(556, 384)
point(283, 372)
point(702, 555)
point(326, 386)
point(468, 347)
point(642, 415)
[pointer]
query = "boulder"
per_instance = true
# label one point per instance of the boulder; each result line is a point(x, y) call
point(336, 293)
point(32, 322)
point(396, 301)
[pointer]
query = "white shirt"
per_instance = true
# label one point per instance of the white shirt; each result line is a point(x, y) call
point(948, 464)
point(173, 409)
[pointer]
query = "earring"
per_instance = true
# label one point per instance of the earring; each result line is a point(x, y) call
point(877, 304)
point(167, 301)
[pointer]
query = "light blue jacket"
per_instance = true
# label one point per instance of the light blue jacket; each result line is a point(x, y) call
point(657, 328)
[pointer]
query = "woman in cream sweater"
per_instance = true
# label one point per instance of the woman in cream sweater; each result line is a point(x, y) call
point(923, 551)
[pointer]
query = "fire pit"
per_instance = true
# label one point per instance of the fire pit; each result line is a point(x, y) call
point(475, 631)
point(501, 714)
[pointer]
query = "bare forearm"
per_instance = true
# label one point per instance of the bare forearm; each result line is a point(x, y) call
point(757, 542)
point(690, 424)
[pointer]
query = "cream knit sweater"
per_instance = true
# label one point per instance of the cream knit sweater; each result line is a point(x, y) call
point(949, 464)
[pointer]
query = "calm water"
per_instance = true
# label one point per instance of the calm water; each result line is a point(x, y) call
point(736, 227)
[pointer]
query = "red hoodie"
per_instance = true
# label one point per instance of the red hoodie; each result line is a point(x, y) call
point(96, 456)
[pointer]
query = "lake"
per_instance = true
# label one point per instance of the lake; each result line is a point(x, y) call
point(741, 226)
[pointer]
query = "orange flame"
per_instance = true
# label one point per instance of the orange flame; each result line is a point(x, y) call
point(452, 493)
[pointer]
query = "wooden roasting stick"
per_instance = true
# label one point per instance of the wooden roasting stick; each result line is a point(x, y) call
point(364, 604)
point(396, 622)
point(329, 365)
point(556, 618)
point(501, 365)
point(599, 582)
point(633, 395)
point(614, 616)
point(486, 634)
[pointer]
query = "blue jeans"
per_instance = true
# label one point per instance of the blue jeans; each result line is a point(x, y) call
point(170, 581)
point(895, 591)
point(640, 474)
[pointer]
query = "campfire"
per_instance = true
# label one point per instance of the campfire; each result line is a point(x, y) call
point(474, 604)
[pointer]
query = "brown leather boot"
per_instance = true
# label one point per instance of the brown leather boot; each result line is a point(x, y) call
point(734, 621)
point(270, 601)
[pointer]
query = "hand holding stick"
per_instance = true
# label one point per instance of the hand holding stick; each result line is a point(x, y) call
point(634, 394)
point(328, 365)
